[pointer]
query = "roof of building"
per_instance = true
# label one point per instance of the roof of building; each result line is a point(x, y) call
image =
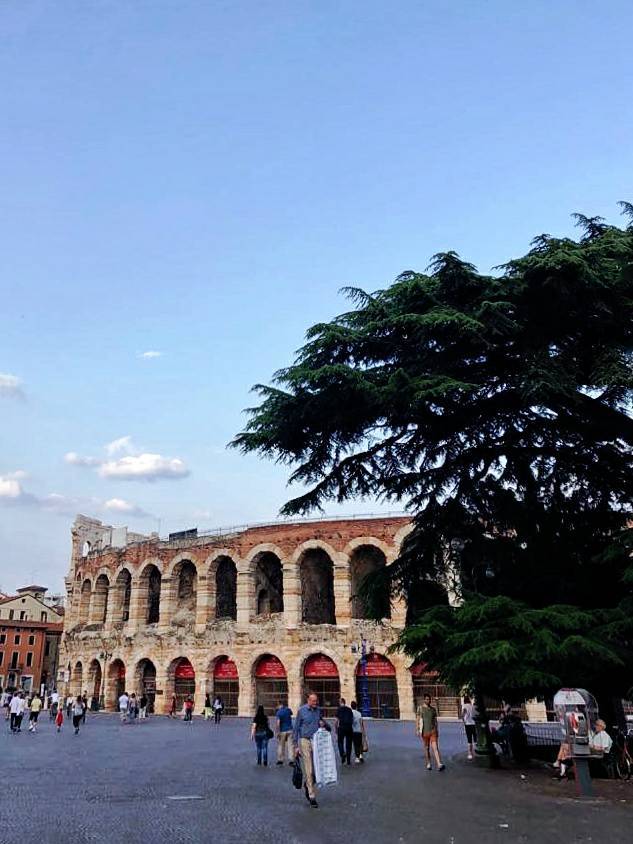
point(33, 588)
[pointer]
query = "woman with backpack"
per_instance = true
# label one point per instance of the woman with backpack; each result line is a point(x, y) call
point(261, 735)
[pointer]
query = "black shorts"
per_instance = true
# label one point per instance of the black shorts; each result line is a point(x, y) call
point(471, 733)
point(34, 716)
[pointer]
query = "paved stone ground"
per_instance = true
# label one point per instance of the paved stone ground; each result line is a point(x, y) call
point(113, 783)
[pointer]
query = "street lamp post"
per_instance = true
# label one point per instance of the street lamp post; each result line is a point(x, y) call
point(365, 703)
point(105, 656)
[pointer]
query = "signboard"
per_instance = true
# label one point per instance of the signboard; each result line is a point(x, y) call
point(377, 666)
point(320, 665)
point(225, 669)
point(184, 671)
point(269, 667)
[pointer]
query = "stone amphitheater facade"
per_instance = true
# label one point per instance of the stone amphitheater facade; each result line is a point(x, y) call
point(257, 615)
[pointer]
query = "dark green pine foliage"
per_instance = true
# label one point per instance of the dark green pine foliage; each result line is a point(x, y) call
point(499, 409)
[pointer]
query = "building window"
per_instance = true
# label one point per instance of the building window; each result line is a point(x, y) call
point(16, 641)
point(3, 638)
point(11, 613)
point(1, 657)
point(22, 615)
point(44, 616)
point(29, 659)
point(14, 659)
point(31, 640)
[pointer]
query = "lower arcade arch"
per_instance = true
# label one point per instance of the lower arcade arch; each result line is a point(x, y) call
point(320, 675)
point(376, 687)
point(146, 682)
point(271, 683)
point(226, 684)
point(77, 678)
point(182, 681)
point(116, 683)
point(94, 682)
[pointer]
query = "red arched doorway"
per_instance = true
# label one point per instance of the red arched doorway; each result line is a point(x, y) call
point(425, 682)
point(271, 683)
point(376, 680)
point(320, 675)
point(184, 682)
point(226, 684)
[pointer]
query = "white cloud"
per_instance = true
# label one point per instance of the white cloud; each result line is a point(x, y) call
point(144, 467)
point(133, 465)
point(11, 386)
point(123, 444)
point(150, 355)
point(127, 508)
point(9, 487)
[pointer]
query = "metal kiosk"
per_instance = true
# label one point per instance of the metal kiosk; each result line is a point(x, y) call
point(577, 712)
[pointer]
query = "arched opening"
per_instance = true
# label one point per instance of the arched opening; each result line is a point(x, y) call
point(226, 684)
point(226, 589)
point(186, 576)
point(146, 682)
point(116, 683)
point(368, 560)
point(269, 583)
point(94, 683)
point(84, 602)
point(317, 587)
point(271, 683)
point(320, 675)
point(426, 682)
point(150, 592)
point(376, 688)
point(121, 596)
point(85, 549)
point(77, 679)
point(184, 680)
point(100, 599)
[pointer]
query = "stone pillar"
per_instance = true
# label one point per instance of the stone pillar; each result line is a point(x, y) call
point(295, 692)
point(138, 605)
point(292, 594)
point(162, 703)
point(398, 612)
point(205, 602)
point(246, 701)
point(168, 601)
point(404, 682)
point(342, 590)
point(245, 595)
point(113, 602)
point(347, 676)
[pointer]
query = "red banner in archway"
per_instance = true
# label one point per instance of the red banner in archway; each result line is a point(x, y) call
point(184, 671)
point(270, 667)
point(225, 669)
point(377, 666)
point(319, 665)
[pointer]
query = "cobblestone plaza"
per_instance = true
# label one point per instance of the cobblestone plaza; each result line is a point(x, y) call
point(166, 782)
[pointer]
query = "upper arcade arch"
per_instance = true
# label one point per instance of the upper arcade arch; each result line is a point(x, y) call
point(366, 560)
point(316, 573)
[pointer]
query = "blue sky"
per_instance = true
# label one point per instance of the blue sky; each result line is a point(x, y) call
point(200, 179)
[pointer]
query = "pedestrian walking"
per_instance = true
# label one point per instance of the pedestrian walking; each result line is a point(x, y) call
point(208, 708)
point(132, 707)
point(69, 706)
point(426, 724)
point(285, 747)
point(306, 725)
point(34, 712)
point(78, 713)
point(218, 709)
point(261, 735)
point(5, 701)
point(124, 702)
point(359, 738)
point(59, 719)
point(172, 708)
point(188, 708)
point(468, 717)
point(54, 705)
point(142, 712)
point(16, 709)
point(344, 720)
point(84, 700)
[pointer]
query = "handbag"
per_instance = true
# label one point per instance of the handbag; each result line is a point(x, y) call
point(297, 774)
point(269, 733)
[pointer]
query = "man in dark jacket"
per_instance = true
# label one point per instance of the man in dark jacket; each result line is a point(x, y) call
point(344, 723)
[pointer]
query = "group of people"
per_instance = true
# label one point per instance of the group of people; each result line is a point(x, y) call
point(308, 740)
point(132, 707)
point(15, 705)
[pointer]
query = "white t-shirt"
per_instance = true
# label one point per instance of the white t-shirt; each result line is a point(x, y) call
point(55, 697)
point(17, 705)
point(468, 714)
point(357, 721)
point(123, 702)
point(601, 741)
